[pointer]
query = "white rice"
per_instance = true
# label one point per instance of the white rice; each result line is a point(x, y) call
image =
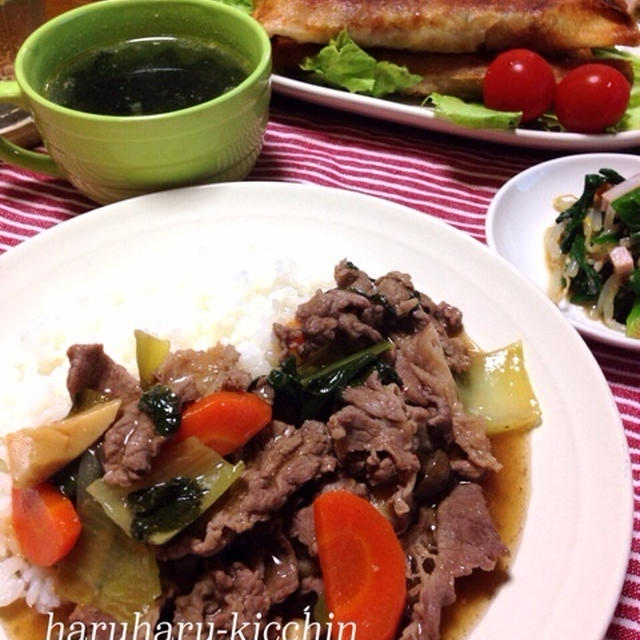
point(237, 310)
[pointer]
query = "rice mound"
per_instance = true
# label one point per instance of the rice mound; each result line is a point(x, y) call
point(238, 310)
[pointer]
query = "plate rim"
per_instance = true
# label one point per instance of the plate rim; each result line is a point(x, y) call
point(428, 222)
point(424, 117)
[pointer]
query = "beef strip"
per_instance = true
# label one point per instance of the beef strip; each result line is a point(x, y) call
point(281, 460)
point(427, 381)
point(193, 374)
point(348, 276)
point(131, 442)
point(374, 438)
point(130, 445)
point(91, 368)
point(224, 599)
point(464, 539)
point(337, 315)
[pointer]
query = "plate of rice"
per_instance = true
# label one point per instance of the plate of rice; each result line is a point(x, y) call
point(222, 264)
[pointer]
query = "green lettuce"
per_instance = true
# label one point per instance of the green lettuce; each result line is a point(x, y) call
point(472, 114)
point(342, 63)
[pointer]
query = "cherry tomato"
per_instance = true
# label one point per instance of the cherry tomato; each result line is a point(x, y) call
point(591, 98)
point(519, 80)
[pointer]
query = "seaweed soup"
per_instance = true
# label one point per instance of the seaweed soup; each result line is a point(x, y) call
point(146, 76)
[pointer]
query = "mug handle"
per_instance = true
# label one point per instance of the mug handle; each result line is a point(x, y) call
point(11, 93)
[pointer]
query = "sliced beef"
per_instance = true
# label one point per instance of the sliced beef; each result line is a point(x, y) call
point(375, 440)
point(283, 460)
point(224, 599)
point(91, 368)
point(337, 315)
point(130, 445)
point(401, 299)
point(348, 276)
point(470, 435)
point(276, 560)
point(131, 442)
point(445, 544)
point(428, 382)
point(193, 374)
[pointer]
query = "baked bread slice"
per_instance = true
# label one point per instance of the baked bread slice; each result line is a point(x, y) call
point(454, 26)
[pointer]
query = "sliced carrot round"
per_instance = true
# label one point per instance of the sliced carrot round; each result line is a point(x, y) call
point(45, 523)
point(225, 420)
point(362, 563)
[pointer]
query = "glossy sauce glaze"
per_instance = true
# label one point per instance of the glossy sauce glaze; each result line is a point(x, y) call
point(507, 494)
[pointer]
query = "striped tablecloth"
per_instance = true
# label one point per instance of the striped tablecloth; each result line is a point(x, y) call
point(452, 179)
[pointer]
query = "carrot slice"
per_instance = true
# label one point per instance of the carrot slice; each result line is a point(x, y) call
point(362, 563)
point(225, 420)
point(45, 523)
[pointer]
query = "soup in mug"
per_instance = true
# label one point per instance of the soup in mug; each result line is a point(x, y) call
point(146, 76)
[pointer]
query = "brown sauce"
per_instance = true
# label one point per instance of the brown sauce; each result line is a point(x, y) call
point(20, 622)
point(507, 494)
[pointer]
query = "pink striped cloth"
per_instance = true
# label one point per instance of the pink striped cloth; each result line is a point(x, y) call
point(449, 178)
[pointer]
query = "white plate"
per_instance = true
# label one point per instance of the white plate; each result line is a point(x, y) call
point(567, 576)
point(522, 210)
point(424, 118)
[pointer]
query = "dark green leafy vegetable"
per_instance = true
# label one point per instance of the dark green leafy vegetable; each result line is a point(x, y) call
point(612, 176)
point(164, 506)
point(311, 388)
point(187, 460)
point(587, 283)
point(162, 405)
point(575, 214)
point(627, 207)
point(634, 281)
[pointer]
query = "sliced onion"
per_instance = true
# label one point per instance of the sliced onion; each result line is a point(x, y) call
point(604, 306)
point(563, 202)
point(552, 242)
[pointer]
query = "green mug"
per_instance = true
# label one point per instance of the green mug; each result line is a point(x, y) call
point(112, 157)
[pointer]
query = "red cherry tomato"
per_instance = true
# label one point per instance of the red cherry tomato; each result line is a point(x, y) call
point(519, 80)
point(591, 98)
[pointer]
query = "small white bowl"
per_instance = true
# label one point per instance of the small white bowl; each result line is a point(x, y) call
point(522, 210)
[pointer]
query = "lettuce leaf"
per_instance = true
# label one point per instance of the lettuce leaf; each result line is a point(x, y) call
point(472, 114)
point(342, 63)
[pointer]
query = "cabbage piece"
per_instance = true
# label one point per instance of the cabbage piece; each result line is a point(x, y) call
point(106, 569)
point(497, 387)
point(186, 459)
point(150, 354)
point(36, 454)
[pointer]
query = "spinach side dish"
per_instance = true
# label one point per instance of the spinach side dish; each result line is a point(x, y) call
point(593, 250)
